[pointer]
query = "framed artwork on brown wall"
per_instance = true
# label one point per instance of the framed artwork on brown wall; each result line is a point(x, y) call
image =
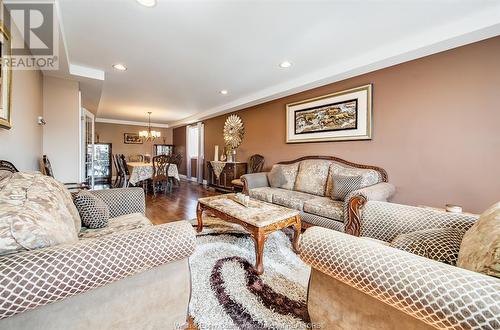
point(132, 138)
point(5, 78)
point(341, 116)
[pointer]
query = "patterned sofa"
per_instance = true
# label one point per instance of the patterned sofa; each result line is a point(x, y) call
point(359, 283)
point(309, 187)
point(129, 275)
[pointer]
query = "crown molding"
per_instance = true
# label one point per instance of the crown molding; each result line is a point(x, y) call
point(483, 25)
point(86, 72)
point(127, 122)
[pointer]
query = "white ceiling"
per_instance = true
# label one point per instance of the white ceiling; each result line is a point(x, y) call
point(180, 54)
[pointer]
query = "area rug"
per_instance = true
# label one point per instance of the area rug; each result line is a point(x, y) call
point(228, 294)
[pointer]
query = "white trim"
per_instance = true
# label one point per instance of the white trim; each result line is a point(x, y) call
point(192, 179)
point(482, 25)
point(127, 122)
point(84, 113)
point(86, 72)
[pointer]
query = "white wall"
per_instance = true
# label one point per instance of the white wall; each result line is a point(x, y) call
point(22, 144)
point(61, 139)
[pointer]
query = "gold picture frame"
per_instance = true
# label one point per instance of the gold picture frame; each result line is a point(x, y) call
point(132, 138)
point(5, 78)
point(341, 116)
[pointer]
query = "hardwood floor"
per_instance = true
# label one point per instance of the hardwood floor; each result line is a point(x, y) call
point(180, 204)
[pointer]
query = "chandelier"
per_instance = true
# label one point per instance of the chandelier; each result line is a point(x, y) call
point(149, 135)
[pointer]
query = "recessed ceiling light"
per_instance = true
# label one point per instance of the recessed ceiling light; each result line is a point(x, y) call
point(147, 3)
point(120, 67)
point(285, 64)
point(224, 92)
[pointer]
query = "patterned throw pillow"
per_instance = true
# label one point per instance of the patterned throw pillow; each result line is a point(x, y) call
point(480, 249)
point(312, 176)
point(285, 175)
point(440, 244)
point(344, 184)
point(93, 211)
point(34, 214)
point(276, 177)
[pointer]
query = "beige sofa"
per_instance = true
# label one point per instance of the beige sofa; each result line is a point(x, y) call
point(309, 188)
point(129, 275)
point(359, 283)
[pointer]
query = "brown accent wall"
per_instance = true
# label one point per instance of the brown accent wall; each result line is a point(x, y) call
point(436, 127)
point(179, 136)
point(113, 133)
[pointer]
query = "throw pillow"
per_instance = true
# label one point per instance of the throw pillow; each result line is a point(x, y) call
point(369, 177)
point(480, 249)
point(440, 244)
point(276, 177)
point(312, 176)
point(34, 214)
point(289, 173)
point(93, 211)
point(4, 178)
point(344, 184)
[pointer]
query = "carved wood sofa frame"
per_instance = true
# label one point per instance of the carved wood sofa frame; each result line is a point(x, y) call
point(353, 224)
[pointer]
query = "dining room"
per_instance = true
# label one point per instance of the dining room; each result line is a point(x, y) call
point(128, 154)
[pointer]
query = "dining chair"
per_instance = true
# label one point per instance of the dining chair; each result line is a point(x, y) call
point(124, 164)
point(124, 173)
point(161, 165)
point(136, 158)
point(118, 171)
point(177, 160)
point(46, 169)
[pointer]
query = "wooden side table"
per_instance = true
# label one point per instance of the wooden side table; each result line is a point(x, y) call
point(231, 171)
point(444, 210)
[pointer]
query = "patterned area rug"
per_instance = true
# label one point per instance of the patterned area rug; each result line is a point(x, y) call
point(228, 294)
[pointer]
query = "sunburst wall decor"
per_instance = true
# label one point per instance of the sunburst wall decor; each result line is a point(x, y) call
point(233, 131)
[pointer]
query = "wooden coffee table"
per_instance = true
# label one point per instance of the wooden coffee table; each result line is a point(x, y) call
point(260, 219)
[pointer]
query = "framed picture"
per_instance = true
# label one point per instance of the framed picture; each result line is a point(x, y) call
point(5, 78)
point(132, 138)
point(341, 116)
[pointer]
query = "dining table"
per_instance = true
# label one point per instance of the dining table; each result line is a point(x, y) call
point(140, 171)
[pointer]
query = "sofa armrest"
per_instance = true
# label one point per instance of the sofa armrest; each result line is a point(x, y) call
point(385, 221)
point(40, 277)
point(123, 201)
point(254, 180)
point(382, 191)
point(441, 295)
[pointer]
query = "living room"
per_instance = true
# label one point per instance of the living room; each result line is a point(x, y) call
point(216, 165)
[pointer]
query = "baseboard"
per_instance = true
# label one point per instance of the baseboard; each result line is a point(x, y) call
point(192, 179)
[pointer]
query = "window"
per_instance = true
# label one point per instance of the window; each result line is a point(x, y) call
point(193, 137)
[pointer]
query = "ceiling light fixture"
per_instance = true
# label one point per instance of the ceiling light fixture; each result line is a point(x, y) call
point(149, 135)
point(224, 92)
point(285, 64)
point(147, 3)
point(120, 67)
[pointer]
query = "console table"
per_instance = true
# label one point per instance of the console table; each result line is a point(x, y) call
point(220, 174)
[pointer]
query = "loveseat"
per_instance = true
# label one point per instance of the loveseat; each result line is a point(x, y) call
point(362, 283)
point(56, 275)
point(308, 185)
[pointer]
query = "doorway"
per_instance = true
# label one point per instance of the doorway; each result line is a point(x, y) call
point(87, 147)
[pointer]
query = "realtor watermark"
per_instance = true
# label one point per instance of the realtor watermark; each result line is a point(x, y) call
point(33, 35)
